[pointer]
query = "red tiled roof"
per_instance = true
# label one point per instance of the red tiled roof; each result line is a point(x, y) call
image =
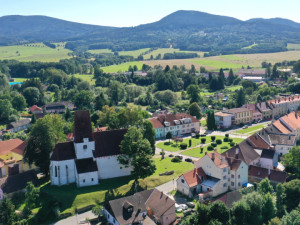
point(290, 121)
point(219, 160)
point(12, 145)
point(257, 142)
point(159, 121)
point(192, 177)
point(260, 172)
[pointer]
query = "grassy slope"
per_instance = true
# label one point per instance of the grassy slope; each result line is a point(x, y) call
point(123, 67)
point(36, 52)
point(216, 63)
point(72, 197)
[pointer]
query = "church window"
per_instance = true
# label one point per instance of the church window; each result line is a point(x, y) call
point(55, 171)
point(92, 179)
point(84, 146)
point(83, 181)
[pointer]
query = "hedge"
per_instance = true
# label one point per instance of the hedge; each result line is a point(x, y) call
point(183, 145)
point(219, 142)
point(210, 148)
point(214, 144)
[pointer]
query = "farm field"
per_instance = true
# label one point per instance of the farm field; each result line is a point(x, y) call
point(34, 52)
point(86, 77)
point(293, 47)
point(123, 67)
point(162, 51)
point(72, 197)
point(134, 53)
point(229, 61)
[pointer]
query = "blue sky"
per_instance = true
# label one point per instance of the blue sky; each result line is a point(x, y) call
point(134, 12)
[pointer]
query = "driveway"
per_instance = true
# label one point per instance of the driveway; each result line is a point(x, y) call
point(74, 220)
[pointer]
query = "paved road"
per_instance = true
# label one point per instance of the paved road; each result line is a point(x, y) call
point(167, 187)
point(73, 220)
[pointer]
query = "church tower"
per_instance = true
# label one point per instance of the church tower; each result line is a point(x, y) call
point(84, 143)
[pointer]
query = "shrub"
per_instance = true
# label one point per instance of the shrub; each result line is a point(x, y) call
point(224, 147)
point(167, 143)
point(171, 155)
point(190, 142)
point(214, 144)
point(219, 142)
point(179, 156)
point(176, 159)
point(226, 139)
point(213, 138)
point(230, 140)
point(203, 140)
point(227, 135)
point(210, 148)
point(197, 135)
point(188, 160)
point(201, 150)
point(232, 144)
point(183, 145)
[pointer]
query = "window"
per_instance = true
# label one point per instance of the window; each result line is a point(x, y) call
point(83, 180)
point(239, 184)
point(55, 171)
point(92, 179)
point(224, 177)
point(224, 170)
point(225, 185)
point(182, 180)
point(84, 146)
point(232, 176)
point(239, 176)
point(232, 183)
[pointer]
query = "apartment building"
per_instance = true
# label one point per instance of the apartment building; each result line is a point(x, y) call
point(178, 124)
point(223, 120)
point(284, 105)
point(240, 115)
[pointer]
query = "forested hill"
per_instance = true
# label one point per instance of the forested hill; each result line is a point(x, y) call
point(187, 30)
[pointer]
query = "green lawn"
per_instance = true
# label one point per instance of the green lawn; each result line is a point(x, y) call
point(86, 77)
point(34, 52)
point(100, 51)
point(203, 123)
point(195, 152)
point(134, 53)
point(233, 88)
point(72, 197)
point(216, 64)
point(19, 79)
point(232, 57)
point(249, 129)
point(123, 67)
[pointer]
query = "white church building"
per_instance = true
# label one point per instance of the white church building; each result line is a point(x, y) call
point(90, 157)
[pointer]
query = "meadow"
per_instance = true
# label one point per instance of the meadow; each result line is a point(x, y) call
point(134, 53)
point(86, 77)
point(123, 67)
point(100, 51)
point(163, 51)
point(34, 52)
point(293, 47)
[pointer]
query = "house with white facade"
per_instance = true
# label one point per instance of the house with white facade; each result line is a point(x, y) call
point(223, 120)
point(178, 124)
point(268, 159)
point(148, 207)
point(222, 174)
point(90, 157)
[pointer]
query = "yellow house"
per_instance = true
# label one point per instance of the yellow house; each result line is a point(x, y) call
point(11, 157)
point(241, 115)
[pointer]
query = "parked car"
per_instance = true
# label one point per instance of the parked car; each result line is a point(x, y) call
point(245, 127)
point(184, 206)
point(190, 204)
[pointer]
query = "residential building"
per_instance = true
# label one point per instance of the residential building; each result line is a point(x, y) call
point(11, 157)
point(189, 183)
point(268, 159)
point(266, 111)
point(91, 156)
point(147, 207)
point(16, 183)
point(257, 174)
point(178, 124)
point(253, 79)
point(57, 107)
point(19, 125)
point(284, 105)
point(257, 115)
point(223, 120)
point(229, 198)
point(289, 124)
point(222, 173)
point(240, 115)
point(35, 109)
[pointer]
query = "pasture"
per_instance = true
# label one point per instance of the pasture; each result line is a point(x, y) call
point(134, 53)
point(100, 51)
point(34, 52)
point(162, 51)
point(123, 67)
point(86, 77)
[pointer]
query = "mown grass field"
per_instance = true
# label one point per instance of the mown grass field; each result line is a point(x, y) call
point(86, 77)
point(72, 197)
point(134, 53)
point(250, 129)
point(293, 47)
point(123, 67)
point(196, 152)
point(34, 52)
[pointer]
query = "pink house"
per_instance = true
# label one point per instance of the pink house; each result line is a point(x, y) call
point(257, 115)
